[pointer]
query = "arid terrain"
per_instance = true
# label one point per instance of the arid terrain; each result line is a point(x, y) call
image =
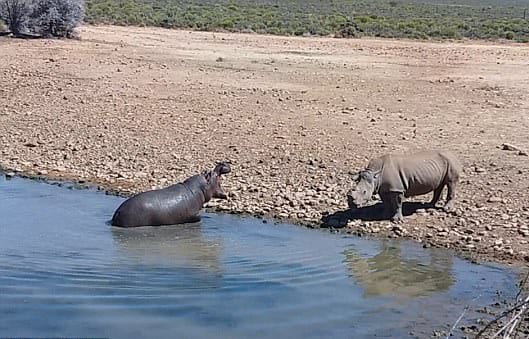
point(135, 108)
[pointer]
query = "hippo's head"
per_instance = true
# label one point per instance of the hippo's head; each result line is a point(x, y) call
point(213, 179)
point(366, 186)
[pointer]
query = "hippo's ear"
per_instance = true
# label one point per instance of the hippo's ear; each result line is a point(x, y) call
point(222, 168)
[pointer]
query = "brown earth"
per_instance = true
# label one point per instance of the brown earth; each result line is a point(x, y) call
point(136, 108)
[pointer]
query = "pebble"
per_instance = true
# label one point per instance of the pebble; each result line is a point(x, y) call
point(509, 147)
point(494, 199)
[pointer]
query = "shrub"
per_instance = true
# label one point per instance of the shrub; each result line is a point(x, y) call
point(57, 18)
point(349, 29)
point(15, 13)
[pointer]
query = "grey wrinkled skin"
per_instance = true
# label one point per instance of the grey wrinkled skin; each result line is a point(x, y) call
point(176, 204)
point(395, 177)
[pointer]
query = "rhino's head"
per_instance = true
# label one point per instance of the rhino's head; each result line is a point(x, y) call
point(366, 186)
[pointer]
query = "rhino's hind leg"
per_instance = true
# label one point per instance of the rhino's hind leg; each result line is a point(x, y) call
point(450, 196)
point(436, 195)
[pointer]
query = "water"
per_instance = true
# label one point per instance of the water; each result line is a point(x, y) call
point(64, 272)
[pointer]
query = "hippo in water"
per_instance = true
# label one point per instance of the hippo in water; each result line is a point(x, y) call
point(176, 204)
point(395, 177)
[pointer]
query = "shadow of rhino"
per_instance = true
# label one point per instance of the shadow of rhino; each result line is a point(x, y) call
point(375, 212)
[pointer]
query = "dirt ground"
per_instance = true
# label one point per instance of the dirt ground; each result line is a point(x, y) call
point(136, 108)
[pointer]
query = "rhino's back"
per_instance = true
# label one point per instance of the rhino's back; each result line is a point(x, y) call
point(418, 173)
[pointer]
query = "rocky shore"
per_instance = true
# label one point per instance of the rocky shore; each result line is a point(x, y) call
point(132, 109)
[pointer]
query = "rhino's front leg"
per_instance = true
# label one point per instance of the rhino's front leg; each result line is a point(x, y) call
point(393, 204)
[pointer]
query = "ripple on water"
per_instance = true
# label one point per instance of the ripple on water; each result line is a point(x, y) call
point(66, 272)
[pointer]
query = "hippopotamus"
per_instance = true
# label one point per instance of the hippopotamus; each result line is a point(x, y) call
point(176, 204)
point(397, 176)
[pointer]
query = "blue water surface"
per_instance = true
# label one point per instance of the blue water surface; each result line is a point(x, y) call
point(64, 272)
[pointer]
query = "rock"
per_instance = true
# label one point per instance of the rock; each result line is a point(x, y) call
point(461, 222)
point(509, 147)
point(9, 174)
point(494, 199)
point(397, 229)
point(480, 170)
point(523, 153)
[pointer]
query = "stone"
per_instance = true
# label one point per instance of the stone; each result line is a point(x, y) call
point(494, 199)
point(509, 147)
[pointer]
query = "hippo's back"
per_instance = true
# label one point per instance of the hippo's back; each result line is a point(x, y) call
point(170, 205)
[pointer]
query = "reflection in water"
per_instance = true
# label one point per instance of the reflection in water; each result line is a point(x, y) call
point(389, 273)
point(176, 245)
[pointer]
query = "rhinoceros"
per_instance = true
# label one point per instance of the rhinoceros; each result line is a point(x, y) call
point(397, 176)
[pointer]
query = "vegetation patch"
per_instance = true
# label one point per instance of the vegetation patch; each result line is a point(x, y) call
point(492, 19)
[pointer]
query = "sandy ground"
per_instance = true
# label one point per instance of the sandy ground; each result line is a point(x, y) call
point(137, 108)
